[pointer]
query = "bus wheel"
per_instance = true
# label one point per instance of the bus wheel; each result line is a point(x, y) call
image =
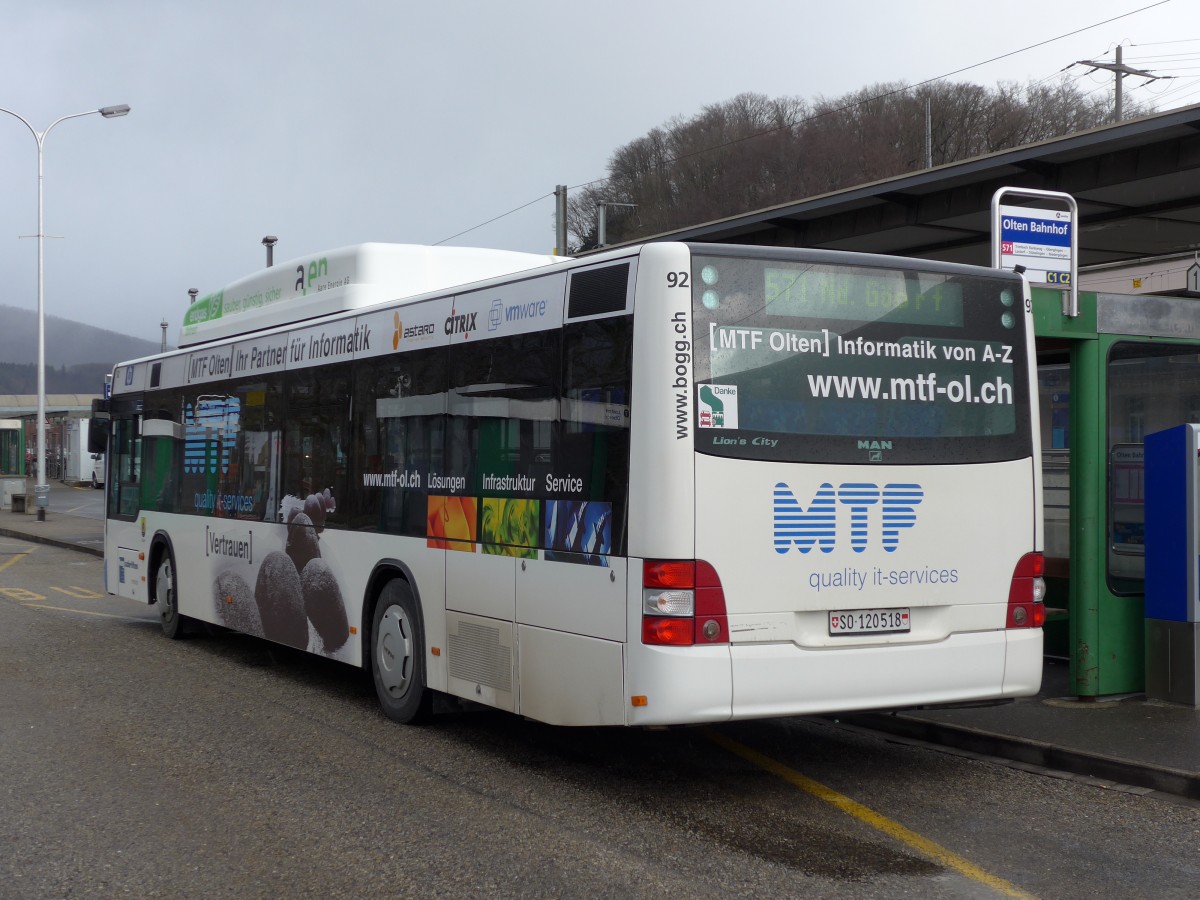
point(398, 656)
point(166, 595)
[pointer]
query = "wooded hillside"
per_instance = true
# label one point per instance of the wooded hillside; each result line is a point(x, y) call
point(753, 152)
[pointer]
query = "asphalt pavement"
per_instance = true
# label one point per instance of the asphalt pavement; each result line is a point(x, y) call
point(74, 519)
point(1124, 743)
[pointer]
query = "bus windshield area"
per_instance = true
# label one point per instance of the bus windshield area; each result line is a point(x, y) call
point(824, 362)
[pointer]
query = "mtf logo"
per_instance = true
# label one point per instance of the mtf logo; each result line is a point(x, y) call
point(802, 528)
point(210, 431)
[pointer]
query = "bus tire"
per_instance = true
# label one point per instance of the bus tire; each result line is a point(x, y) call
point(398, 656)
point(166, 595)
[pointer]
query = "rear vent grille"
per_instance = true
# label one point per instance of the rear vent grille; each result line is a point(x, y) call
point(598, 291)
point(477, 656)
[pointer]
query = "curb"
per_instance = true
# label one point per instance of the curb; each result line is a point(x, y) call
point(52, 542)
point(1033, 753)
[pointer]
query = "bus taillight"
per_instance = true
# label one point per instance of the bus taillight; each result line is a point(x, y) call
point(683, 604)
point(670, 632)
point(1026, 593)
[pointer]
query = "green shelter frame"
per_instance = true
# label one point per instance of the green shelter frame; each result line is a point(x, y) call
point(1125, 367)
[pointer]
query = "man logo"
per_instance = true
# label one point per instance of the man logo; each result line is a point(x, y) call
point(875, 449)
point(802, 528)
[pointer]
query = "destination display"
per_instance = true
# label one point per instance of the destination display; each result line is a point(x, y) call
point(861, 295)
point(809, 362)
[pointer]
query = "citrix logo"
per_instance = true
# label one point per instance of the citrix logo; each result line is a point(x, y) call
point(460, 323)
point(802, 528)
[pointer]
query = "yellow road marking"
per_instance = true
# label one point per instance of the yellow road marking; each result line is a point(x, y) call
point(869, 817)
point(74, 590)
point(16, 558)
point(85, 612)
point(21, 595)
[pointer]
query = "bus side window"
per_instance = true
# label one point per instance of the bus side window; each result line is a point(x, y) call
point(597, 365)
point(501, 434)
point(399, 439)
point(317, 439)
point(252, 473)
point(125, 467)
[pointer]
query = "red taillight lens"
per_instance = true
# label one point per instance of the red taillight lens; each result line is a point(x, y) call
point(1026, 591)
point(1031, 565)
point(691, 585)
point(668, 632)
point(669, 573)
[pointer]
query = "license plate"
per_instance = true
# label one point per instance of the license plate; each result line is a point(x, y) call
point(870, 621)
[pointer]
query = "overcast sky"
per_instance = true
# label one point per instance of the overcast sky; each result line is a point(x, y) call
point(329, 124)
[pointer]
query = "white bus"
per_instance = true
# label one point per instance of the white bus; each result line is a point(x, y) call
point(667, 484)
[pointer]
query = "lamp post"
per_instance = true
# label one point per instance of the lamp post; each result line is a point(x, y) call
point(42, 489)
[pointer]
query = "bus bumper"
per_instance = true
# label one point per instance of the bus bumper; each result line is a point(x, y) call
point(783, 679)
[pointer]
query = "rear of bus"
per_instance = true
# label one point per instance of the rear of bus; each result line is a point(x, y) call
point(835, 485)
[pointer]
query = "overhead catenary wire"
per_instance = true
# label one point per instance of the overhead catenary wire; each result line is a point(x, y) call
point(1163, 43)
point(495, 218)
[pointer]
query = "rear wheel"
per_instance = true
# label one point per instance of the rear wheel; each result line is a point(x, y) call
point(166, 595)
point(398, 656)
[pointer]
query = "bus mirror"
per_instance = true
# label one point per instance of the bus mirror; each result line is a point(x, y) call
point(98, 435)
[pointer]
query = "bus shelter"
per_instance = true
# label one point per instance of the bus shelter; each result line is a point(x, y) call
point(12, 448)
point(1126, 367)
point(12, 460)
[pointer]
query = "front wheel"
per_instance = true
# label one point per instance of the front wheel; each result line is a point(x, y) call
point(166, 595)
point(398, 656)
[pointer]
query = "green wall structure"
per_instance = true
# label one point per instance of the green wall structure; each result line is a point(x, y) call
point(1103, 631)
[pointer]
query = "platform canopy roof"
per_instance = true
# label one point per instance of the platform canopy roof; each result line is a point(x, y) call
point(19, 405)
point(1137, 184)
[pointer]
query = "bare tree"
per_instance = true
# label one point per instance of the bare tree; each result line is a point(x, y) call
point(753, 151)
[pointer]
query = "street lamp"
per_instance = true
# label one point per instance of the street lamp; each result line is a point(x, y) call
point(42, 490)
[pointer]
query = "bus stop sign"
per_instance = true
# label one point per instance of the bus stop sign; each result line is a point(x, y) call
point(1039, 240)
point(1042, 243)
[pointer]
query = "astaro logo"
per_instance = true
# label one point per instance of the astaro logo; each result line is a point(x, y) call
point(796, 526)
point(402, 332)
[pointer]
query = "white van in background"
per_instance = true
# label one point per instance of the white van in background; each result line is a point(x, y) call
point(98, 469)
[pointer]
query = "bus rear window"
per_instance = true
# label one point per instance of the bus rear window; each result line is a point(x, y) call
point(815, 361)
